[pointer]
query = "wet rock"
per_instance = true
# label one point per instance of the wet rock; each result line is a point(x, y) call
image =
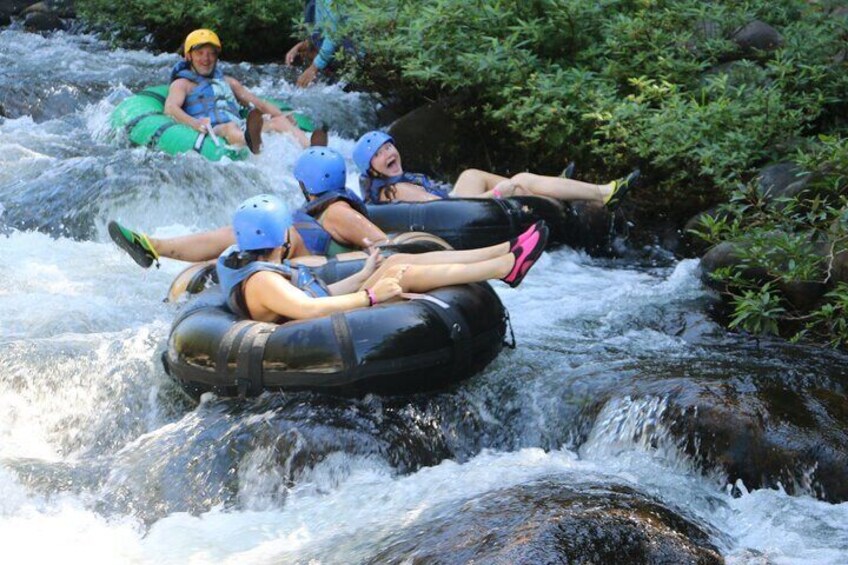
point(549, 522)
point(803, 295)
point(757, 36)
point(10, 9)
point(212, 456)
point(37, 7)
point(784, 427)
point(726, 254)
point(43, 21)
point(62, 8)
point(781, 180)
point(596, 223)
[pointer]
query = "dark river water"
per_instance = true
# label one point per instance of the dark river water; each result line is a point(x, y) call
point(625, 411)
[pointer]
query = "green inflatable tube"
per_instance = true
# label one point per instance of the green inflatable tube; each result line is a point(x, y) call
point(142, 117)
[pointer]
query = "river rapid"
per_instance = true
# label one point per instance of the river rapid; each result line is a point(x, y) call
point(620, 417)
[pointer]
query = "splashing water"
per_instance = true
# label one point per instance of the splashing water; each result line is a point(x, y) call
point(101, 455)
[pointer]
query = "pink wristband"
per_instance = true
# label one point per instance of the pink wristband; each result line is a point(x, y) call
point(497, 193)
point(372, 298)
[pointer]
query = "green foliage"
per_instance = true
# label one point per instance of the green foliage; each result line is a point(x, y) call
point(831, 320)
point(757, 310)
point(788, 241)
point(254, 28)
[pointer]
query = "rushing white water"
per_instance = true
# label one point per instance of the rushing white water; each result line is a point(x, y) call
point(88, 416)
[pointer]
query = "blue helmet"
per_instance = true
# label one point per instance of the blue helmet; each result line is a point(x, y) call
point(320, 170)
point(367, 146)
point(261, 223)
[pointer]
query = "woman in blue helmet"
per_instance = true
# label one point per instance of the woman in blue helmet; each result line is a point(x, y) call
point(332, 221)
point(384, 180)
point(258, 285)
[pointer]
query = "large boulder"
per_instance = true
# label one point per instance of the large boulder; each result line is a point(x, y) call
point(551, 521)
point(10, 8)
point(803, 295)
point(757, 37)
point(781, 180)
point(431, 141)
point(62, 8)
point(781, 428)
point(726, 254)
point(43, 21)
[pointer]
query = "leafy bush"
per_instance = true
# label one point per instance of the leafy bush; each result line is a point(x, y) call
point(792, 240)
point(259, 29)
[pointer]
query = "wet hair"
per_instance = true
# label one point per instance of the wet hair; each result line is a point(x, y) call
point(238, 259)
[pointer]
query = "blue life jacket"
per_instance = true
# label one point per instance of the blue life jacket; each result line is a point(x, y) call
point(316, 239)
point(231, 279)
point(212, 97)
point(317, 206)
point(372, 187)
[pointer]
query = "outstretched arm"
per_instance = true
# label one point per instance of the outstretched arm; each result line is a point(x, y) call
point(269, 295)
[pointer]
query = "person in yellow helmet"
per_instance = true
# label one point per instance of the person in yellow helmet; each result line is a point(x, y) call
point(202, 97)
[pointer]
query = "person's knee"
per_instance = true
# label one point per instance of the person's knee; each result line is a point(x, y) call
point(523, 179)
point(278, 123)
point(469, 174)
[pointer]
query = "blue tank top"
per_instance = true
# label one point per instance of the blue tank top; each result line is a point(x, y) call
point(373, 187)
point(231, 279)
point(212, 97)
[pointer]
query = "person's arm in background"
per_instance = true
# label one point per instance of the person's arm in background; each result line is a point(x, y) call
point(327, 21)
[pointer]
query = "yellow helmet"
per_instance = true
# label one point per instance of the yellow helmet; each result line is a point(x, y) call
point(200, 37)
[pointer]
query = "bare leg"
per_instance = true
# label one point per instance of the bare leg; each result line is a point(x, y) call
point(464, 256)
point(286, 124)
point(195, 247)
point(234, 135)
point(423, 278)
point(474, 183)
point(231, 132)
point(560, 188)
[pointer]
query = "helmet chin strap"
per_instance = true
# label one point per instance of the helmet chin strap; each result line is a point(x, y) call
point(303, 190)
